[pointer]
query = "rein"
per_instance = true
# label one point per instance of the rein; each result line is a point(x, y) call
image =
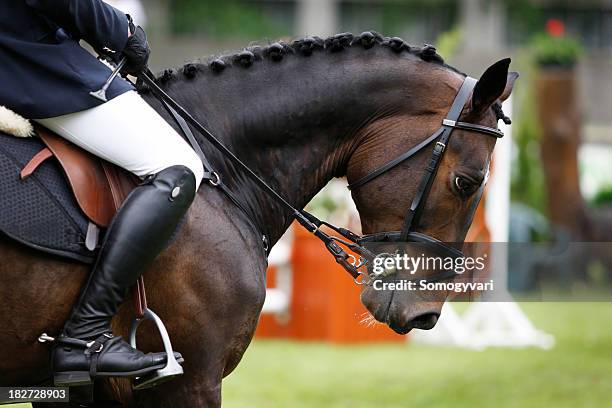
point(306, 219)
point(352, 241)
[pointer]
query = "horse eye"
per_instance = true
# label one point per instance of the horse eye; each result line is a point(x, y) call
point(464, 186)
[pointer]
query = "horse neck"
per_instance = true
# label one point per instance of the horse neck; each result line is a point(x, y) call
point(295, 123)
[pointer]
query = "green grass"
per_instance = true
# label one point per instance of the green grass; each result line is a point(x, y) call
point(576, 373)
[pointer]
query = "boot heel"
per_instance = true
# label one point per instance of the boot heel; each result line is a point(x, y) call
point(72, 379)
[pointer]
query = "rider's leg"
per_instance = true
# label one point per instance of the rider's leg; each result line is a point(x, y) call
point(127, 132)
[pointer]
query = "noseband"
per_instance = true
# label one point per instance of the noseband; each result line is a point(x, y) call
point(355, 242)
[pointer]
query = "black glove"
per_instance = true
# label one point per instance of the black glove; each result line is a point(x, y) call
point(136, 52)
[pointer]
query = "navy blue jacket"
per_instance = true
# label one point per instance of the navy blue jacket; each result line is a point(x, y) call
point(44, 72)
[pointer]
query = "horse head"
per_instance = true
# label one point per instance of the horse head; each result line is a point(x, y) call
point(448, 205)
point(303, 113)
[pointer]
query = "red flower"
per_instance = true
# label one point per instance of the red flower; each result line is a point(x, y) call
point(555, 27)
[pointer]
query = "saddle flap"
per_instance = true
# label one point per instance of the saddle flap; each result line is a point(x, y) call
point(99, 187)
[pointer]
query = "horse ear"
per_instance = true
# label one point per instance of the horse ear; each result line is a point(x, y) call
point(493, 85)
point(512, 76)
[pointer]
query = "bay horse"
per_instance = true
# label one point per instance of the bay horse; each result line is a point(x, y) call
point(298, 114)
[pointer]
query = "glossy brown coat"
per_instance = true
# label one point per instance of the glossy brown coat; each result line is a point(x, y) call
point(298, 122)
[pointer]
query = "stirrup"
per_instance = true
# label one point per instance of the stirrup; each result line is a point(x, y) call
point(172, 368)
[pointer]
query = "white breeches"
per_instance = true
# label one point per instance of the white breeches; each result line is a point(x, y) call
point(126, 131)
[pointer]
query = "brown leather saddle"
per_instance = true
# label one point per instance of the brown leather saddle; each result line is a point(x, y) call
point(99, 187)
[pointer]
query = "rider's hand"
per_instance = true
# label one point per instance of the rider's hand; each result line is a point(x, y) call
point(136, 52)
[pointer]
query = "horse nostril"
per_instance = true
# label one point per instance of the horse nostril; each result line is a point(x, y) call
point(425, 321)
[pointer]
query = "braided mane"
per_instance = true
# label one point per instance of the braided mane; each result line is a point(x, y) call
point(305, 47)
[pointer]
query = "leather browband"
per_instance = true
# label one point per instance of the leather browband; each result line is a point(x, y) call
point(476, 128)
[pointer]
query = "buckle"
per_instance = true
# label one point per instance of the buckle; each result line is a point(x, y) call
point(362, 279)
point(44, 338)
point(441, 145)
point(90, 350)
point(97, 345)
point(448, 122)
point(215, 179)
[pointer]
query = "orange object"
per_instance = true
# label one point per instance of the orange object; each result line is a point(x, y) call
point(271, 326)
point(325, 303)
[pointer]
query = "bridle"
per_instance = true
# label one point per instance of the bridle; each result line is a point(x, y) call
point(441, 137)
point(350, 240)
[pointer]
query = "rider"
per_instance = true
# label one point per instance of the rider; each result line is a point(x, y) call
point(51, 77)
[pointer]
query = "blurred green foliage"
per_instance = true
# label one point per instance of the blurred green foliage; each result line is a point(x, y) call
point(603, 197)
point(555, 51)
point(415, 20)
point(527, 184)
point(232, 18)
point(256, 19)
point(525, 17)
point(537, 50)
point(448, 42)
point(322, 205)
point(396, 16)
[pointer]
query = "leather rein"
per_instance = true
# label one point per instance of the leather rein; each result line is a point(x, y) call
point(349, 239)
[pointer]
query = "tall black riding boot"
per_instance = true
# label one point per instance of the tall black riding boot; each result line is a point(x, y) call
point(138, 233)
